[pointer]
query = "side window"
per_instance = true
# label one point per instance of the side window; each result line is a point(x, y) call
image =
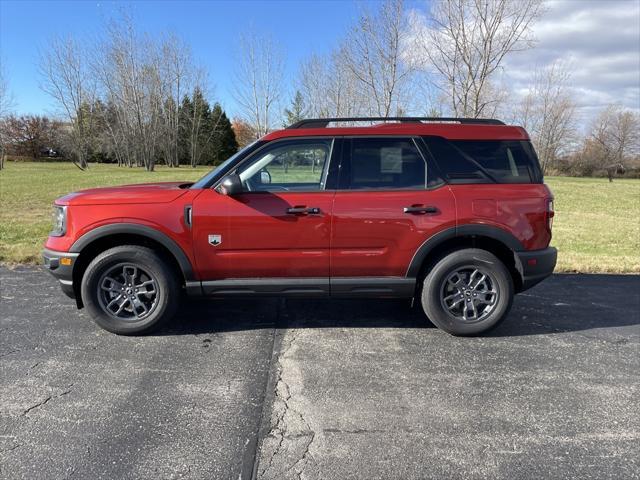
point(385, 163)
point(452, 162)
point(485, 161)
point(288, 166)
point(506, 161)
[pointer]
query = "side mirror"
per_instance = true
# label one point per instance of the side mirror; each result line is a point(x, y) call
point(231, 185)
point(265, 177)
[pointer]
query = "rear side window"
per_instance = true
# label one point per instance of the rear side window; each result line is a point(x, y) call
point(383, 163)
point(486, 161)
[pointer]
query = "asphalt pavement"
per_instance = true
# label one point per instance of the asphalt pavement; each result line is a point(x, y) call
point(276, 389)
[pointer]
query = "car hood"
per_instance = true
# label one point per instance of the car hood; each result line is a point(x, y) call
point(142, 193)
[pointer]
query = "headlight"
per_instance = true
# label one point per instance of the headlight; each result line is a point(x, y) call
point(59, 221)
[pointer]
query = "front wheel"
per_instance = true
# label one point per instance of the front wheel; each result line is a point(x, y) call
point(467, 292)
point(130, 290)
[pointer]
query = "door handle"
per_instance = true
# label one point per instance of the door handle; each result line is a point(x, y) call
point(303, 211)
point(420, 209)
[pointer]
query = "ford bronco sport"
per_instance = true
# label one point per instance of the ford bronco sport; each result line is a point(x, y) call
point(452, 212)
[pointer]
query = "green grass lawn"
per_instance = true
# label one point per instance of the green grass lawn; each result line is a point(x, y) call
point(596, 228)
point(28, 189)
point(597, 224)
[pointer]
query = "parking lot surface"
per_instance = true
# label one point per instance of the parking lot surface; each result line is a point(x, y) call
point(78, 402)
point(276, 389)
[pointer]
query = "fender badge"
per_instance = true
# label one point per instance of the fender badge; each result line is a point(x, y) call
point(215, 240)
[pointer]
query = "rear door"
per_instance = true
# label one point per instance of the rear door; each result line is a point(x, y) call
point(274, 236)
point(387, 204)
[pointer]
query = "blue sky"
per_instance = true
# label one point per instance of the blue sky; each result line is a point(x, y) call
point(211, 28)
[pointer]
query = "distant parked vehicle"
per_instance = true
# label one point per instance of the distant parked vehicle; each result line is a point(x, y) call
point(451, 212)
point(49, 152)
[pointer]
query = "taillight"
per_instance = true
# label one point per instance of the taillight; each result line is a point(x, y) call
point(550, 214)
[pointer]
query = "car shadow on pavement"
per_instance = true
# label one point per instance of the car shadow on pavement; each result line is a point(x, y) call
point(563, 303)
point(572, 303)
point(208, 316)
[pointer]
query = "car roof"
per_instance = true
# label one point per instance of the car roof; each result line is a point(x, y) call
point(447, 129)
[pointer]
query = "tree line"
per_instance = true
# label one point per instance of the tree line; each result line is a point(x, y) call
point(208, 142)
point(138, 100)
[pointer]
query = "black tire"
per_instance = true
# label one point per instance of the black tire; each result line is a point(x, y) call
point(448, 304)
point(142, 310)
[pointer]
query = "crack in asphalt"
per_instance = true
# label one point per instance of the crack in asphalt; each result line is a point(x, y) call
point(276, 430)
point(46, 400)
point(11, 449)
point(280, 429)
point(37, 405)
point(303, 458)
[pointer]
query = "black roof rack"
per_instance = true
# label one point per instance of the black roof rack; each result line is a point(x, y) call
point(324, 122)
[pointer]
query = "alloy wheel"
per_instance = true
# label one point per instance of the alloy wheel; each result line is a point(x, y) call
point(128, 292)
point(469, 294)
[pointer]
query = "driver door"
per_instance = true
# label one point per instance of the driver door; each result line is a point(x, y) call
point(273, 236)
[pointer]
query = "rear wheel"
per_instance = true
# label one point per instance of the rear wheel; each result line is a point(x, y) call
point(130, 290)
point(467, 292)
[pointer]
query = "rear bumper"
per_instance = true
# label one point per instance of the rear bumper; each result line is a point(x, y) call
point(61, 270)
point(535, 265)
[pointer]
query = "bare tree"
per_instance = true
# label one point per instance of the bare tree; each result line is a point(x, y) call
point(330, 89)
point(345, 93)
point(370, 73)
point(314, 84)
point(259, 82)
point(6, 103)
point(129, 73)
point(466, 42)
point(67, 78)
point(611, 144)
point(548, 113)
point(143, 81)
point(373, 53)
point(179, 77)
point(617, 131)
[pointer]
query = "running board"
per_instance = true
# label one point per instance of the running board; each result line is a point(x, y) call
point(348, 287)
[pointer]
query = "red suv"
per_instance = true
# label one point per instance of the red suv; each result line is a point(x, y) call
point(450, 211)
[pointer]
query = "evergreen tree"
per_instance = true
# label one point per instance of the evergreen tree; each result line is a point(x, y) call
point(297, 111)
point(186, 113)
point(206, 135)
point(294, 114)
point(224, 143)
point(196, 130)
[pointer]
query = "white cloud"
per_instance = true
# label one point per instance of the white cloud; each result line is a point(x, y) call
point(600, 40)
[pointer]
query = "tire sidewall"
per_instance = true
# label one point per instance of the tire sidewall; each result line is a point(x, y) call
point(431, 291)
point(147, 260)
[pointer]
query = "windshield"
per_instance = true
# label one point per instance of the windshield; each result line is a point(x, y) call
point(214, 174)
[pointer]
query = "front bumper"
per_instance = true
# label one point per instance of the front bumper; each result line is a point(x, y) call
point(60, 265)
point(535, 265)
